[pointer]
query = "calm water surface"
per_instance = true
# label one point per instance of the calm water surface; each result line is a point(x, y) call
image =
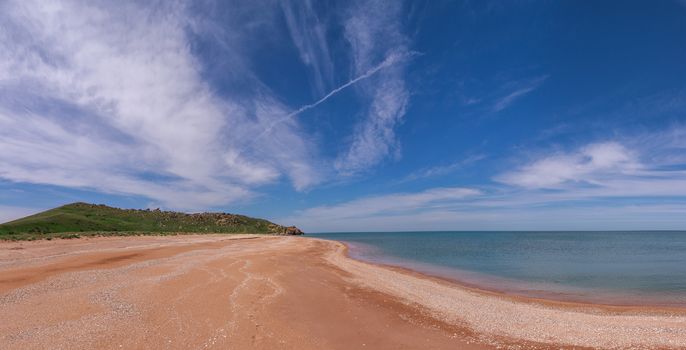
point(647, 267)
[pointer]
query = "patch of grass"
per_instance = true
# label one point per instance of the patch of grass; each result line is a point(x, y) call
point(83, 219)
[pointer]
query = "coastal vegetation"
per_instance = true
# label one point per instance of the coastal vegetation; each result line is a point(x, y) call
point(83, 219)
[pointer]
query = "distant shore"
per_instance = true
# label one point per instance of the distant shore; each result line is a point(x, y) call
point(255, 291)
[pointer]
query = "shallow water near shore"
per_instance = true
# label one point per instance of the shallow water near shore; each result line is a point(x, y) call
point(610, 267)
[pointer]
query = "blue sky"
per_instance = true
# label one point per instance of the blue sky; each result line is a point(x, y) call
point(350, 115)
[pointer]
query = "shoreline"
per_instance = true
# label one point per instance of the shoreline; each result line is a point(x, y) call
point(545, 297)
point(601, 321)
point(281, 292)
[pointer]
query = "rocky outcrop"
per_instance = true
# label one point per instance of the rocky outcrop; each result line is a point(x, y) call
point(285, 231)
point(293, 231)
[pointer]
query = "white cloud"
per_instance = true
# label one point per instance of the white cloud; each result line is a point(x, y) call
point(585, 165)
point(640, 166)
point(110, 97)
point(374, 33)
point(114, 98)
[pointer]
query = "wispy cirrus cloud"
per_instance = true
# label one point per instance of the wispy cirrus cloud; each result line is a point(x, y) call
point(379, 52)
point(309, 35)
point(519, 90)
point(112, 98)
point(117, 99)
point(373, 30)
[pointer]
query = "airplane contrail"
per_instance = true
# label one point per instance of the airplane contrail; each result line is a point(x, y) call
point(390, 60)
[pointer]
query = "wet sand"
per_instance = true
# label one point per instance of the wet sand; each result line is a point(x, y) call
point(246, 292)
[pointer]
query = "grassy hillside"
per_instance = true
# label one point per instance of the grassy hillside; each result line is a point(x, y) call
point(77, 219)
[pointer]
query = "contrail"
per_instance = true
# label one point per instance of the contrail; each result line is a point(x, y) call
point(390, 60)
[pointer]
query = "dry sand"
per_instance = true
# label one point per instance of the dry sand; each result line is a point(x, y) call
point(245, 292)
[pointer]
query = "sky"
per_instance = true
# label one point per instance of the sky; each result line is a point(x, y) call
point(350, 115)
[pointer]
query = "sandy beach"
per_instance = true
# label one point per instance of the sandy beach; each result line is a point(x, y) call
point(266, 292)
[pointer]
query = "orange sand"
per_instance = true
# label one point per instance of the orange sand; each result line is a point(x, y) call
point(246, 292)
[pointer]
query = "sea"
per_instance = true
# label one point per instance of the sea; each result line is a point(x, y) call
point(608, 267)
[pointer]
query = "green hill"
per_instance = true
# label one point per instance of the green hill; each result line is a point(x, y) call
point(74, 220)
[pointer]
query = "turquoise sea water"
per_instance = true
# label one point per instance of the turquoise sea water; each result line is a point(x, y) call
point(647, 267)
